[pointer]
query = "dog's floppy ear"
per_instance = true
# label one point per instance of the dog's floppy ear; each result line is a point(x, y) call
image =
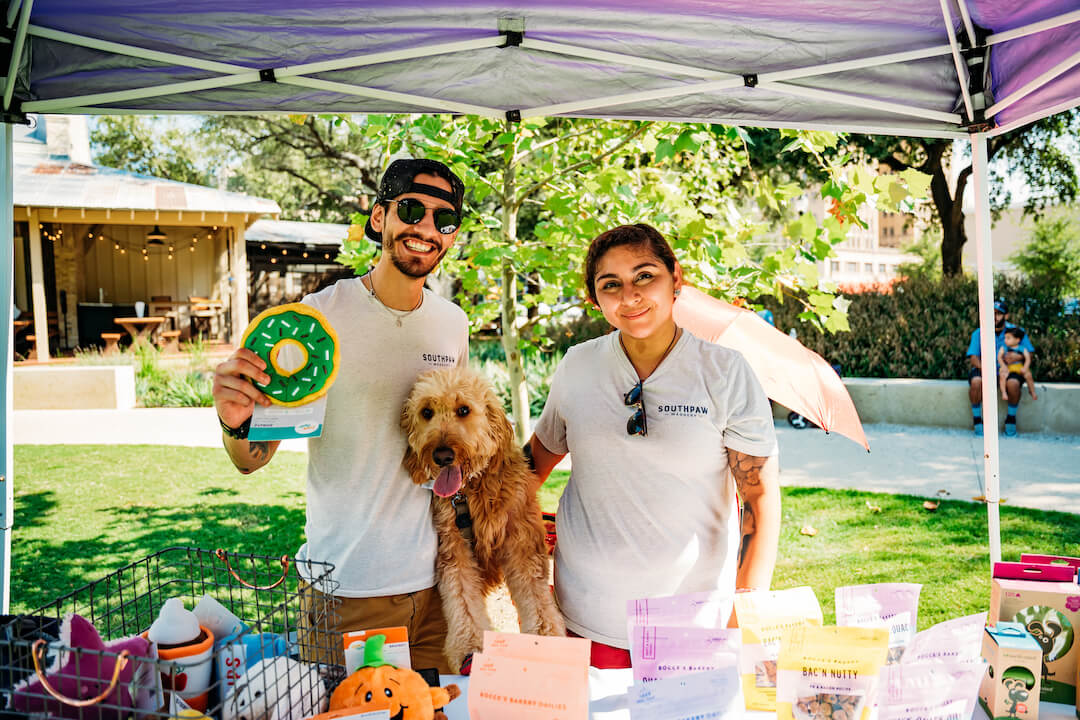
point(408, 412)
point(502, 432)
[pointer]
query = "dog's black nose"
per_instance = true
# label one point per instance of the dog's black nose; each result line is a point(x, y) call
point(443, 456)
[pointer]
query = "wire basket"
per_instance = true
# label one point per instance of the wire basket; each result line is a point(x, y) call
point(286, 605)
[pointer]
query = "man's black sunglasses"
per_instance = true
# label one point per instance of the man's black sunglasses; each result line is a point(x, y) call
point(411, 211)
point(635, 397)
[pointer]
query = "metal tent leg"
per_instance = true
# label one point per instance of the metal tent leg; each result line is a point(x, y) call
point(7, 342)
point(987, 347)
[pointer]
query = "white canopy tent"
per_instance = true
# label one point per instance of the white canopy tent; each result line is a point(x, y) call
point(964, 69)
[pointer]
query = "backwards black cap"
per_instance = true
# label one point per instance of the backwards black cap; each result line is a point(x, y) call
point(399, 179)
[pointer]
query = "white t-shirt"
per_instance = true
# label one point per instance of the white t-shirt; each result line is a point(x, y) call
point(655, 515)
point(364, 514)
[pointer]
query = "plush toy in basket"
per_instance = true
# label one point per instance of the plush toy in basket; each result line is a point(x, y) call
point(378, 685)
point(276, 688)
point(99, 680)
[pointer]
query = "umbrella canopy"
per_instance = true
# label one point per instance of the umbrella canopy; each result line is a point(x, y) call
point(792, 374)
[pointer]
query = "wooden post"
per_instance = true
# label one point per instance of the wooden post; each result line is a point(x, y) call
point(238, 274)
point(37, 291)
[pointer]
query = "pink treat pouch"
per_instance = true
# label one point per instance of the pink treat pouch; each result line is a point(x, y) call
point(930, 690)
point(658, 652)
point(957, 640)
point(894, 606)
point(710, 609)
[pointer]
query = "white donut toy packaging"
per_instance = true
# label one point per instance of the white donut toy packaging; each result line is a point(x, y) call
point(302, 356)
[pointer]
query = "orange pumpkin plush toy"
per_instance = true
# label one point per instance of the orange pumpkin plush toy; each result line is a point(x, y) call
point(378, 685)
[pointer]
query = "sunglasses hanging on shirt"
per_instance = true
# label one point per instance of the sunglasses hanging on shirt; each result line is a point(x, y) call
point(411, 211)
point(635, 398)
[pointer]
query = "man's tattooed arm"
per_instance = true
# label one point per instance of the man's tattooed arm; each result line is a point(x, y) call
point(249, 456)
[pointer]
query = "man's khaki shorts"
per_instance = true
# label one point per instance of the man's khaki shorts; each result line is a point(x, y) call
point(323, 618)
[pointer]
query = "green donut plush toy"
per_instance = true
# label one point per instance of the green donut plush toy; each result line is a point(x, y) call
point(304, 328)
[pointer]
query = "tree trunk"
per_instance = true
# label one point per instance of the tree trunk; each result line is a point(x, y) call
point(950, 209)
point(515, 363)
point(953, 237)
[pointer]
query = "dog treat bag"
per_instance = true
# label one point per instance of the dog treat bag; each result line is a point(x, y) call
point(709, 609)
point(829, 673)
point(929, 690)
point(894, 606)
point(956, 640)
point(712, 695)
point(763, 617)
point(664, 652)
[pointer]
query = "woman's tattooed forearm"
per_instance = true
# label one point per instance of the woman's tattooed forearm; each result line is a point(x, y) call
point(746, 469)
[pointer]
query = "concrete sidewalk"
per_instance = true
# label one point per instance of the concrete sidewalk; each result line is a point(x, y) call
point(192, 427)
point(1039, 471)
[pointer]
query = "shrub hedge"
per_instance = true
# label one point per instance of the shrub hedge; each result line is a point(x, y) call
point(920, 328)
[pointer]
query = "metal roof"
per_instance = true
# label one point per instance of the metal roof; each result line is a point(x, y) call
point(51, 181)
point(298, 233)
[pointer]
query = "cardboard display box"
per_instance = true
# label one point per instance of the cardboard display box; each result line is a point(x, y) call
point(1045, 599)
point(1011, 686)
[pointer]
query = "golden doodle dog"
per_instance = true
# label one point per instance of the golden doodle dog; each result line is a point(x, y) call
point(462, 445)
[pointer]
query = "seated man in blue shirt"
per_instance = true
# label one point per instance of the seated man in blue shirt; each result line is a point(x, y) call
point(1012, 385)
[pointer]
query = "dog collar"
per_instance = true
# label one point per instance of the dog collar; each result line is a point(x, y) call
point(462, 518)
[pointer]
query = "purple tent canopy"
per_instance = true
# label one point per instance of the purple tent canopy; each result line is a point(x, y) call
point(857, 65)
point(935, 68)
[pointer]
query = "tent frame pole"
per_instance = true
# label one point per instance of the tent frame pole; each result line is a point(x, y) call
point(958, 62)
point(7, 342)
point(987, 341)
point(16, 53)
point(237, 75)
point(434, 104)
point(969, 27)
point(1048, 24)
point(12, 12)
point(1034, 84)
point(1034, 117)
point(728, 84)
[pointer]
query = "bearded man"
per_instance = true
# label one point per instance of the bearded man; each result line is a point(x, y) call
point(364, 514)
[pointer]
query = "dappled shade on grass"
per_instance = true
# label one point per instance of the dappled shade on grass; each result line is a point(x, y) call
point(84, 511)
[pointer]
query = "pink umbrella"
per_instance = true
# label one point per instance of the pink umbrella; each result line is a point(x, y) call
point(792, 374)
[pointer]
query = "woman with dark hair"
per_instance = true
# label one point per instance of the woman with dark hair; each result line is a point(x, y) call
point(662, 427)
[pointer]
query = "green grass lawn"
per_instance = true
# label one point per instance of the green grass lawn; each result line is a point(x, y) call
point(83, 511)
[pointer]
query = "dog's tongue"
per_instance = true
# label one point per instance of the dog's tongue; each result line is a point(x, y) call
point(448, 482)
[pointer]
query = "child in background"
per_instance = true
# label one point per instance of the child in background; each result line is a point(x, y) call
point(1014, 360)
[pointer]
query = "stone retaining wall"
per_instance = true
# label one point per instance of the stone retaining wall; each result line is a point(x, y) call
point(944, 403)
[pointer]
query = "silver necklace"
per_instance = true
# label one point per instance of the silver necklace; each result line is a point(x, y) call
point(674, 337)
point(399, 315)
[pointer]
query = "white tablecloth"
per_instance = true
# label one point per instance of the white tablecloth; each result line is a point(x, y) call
point(607, 700)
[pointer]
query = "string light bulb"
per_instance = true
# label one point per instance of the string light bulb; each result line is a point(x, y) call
point(273, 261)
point(283, 251)
point(170, 256)
point(192, 248)
point(262, 246)
point(305, 253)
